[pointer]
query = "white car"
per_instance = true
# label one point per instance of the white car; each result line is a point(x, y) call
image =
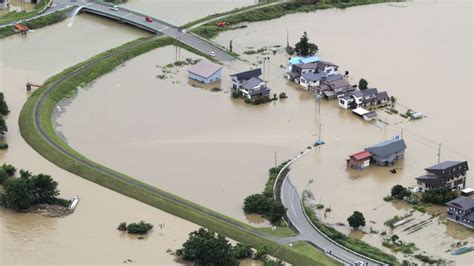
point(212, 53)
point(114, 8)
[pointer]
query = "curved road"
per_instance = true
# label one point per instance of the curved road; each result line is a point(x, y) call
point(292, 201)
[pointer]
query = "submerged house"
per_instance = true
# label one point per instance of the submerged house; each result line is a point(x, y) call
point(359, 160)
point(327, 67)
point(205, 72)
point(363, 98)
point(449, 174)
point(311, 79)
point(461, 210)
point(297, 60)
point(366, 115)
point(388, 152)
point(255, 89)
point(300, 69)
point(333, 87)
point(239, 78)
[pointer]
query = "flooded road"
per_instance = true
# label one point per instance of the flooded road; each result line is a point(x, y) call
point(81, 237)
point(180, 138)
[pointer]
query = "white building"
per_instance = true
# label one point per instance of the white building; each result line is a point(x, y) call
point(311, 79)
point(327, 67)
point(205, 72)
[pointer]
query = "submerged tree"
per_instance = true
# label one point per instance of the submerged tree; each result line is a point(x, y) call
point(205, 247)
point(356, 220)
point(3, 105)
point(304, 47)
point(3, 126)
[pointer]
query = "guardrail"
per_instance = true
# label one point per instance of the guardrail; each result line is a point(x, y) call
point(46, 7)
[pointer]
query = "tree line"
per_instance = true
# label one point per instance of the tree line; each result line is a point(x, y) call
point(3, 125)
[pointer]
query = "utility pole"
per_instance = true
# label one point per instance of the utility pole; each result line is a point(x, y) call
point(439, 153)
point(319, 131)
point(401, 134)
point(275, 159)
point(318, 104)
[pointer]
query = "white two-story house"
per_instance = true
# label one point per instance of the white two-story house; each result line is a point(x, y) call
point(327, 67)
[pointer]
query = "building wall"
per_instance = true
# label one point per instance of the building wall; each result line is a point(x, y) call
point(215, 77)
point(392, 158)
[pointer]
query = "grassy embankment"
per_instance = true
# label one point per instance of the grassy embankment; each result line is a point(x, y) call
point(15, 15)
point(210, 30)
point(353, 244)
point(86, 72)
point(37, 22)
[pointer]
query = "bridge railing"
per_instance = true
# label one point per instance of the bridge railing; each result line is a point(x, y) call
point(138, 13)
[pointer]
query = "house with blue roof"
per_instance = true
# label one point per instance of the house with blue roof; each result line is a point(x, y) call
point(302, 60)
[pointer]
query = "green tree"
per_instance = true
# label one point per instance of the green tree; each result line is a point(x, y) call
point(363, 84)
point(266, 206)
point(122, 226)
point(205, 247)
point(9, 169)
point(3, 105)
point(304, 47)
point(399, 192)
point(356, 220)
point(438, 196)
point(18, 194)
point(3, 176)
point(44, 188)
point(3, 126)
point(140, 228)
point(242, 251)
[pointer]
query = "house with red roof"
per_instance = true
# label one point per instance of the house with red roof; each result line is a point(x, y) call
point(359, 160)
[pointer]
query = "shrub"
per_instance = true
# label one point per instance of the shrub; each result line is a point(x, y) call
point(356, 220)
point(399, 192)
point(122, 226)
point(242, 251)
point(319, 206)
point(140, 228)
point(438, 196)
point(9, 169)
point(3, 146)
point(3, 176)
point(266, 206)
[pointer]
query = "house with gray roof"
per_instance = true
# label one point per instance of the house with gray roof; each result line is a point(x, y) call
point(239, 78)
point(255, 89)
point(461, 210)
point(449, 174)
point(327, 67)
point(363, 98)
point(298, 70)
point(311, 79)
point(388, 152)
point(205, 72)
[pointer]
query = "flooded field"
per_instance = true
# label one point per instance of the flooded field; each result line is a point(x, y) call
point(179, 137)
point(81, 237)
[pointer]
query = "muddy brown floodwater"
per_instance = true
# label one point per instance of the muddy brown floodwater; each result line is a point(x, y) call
point(215, 150)
point(88, 236)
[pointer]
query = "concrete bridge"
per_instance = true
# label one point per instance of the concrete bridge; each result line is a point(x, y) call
point(138, 19)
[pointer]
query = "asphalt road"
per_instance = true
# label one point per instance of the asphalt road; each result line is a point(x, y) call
point(292, 201)
point(157, 26)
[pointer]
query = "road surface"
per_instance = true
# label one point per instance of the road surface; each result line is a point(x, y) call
point(292, 201)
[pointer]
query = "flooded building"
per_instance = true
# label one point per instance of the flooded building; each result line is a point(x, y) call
point(239, 78)
point(388, 152)
point(255, 89)
point(311, 79)
point(297, 70)
point(363, 98)
point(448, 174)
point(297, 60)
point(205, 72)
point(461, 210)
point(327, 67)
point(359, 160)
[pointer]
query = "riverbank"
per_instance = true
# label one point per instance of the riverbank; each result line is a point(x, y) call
point(35, 125)
point(22, 15)
point(37, 23)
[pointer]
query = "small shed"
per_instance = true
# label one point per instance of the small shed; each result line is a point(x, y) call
point(205, 72)
point(359, 160)
point(367, 115)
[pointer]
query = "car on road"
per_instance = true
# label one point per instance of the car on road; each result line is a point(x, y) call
point(114, 8)
point(212, 53)
point(361, 263)
point(148, 19)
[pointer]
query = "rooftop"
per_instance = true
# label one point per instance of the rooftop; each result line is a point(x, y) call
point(382, 96)
point(303, 60)
point(314, 76)
point(446, 164)
point(323, 64)
point(361, 155)
point(251, 83)
point(248, 74)
point(204, 68)
point(363, 93)
point(385, 148)
point(334, 77)
point(462, 202)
